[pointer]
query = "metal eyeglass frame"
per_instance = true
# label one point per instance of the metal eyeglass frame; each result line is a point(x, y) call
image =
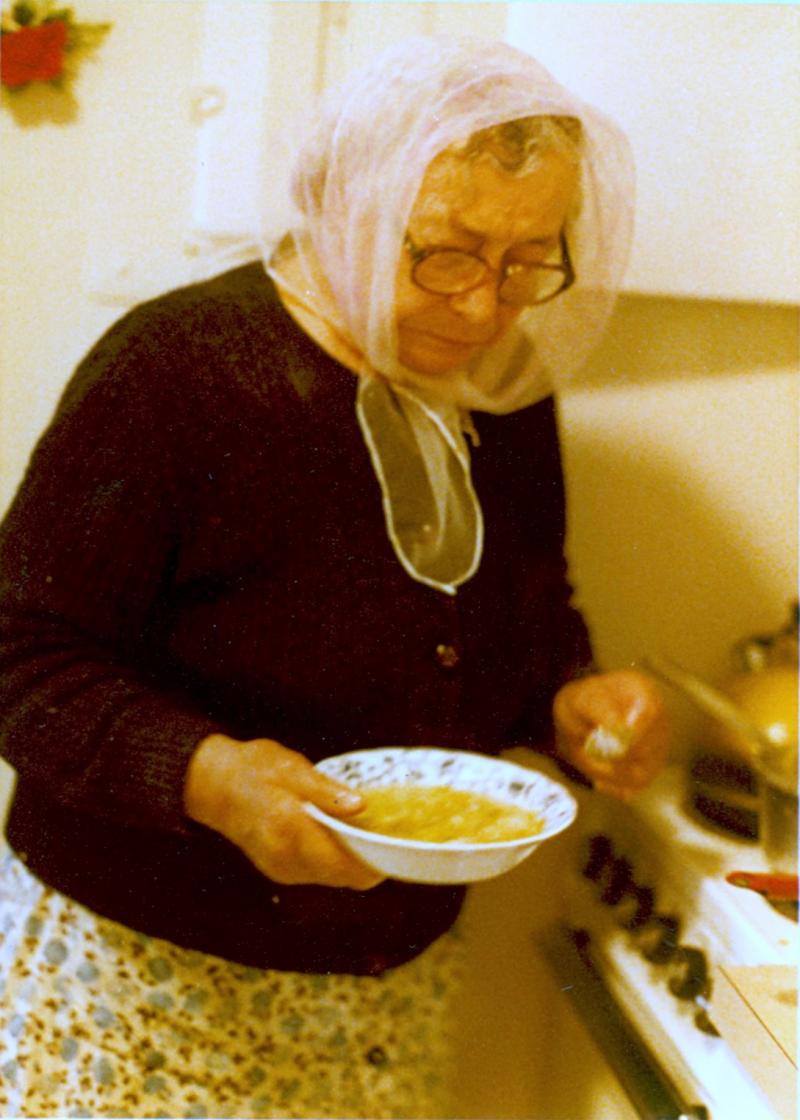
point(565, 267)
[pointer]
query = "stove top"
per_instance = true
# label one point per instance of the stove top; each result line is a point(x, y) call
point(685, 862)
point(650, 908)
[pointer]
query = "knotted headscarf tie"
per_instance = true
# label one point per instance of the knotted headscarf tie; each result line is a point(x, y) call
point(357, 175)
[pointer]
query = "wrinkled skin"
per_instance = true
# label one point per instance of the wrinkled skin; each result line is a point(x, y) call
point(625, 699)
point(484, 211)
point(253, 793)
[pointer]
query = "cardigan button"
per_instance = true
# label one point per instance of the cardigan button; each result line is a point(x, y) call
point(447, 656)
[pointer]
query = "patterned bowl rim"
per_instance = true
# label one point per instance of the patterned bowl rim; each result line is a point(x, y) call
point(568, 807)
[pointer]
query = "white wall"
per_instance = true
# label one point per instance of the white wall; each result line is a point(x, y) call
point(130, 138)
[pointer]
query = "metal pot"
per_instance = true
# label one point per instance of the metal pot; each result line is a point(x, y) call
point(778, 823)
point(766, 692)
point(757, 711)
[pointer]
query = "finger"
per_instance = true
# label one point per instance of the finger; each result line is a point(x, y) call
point(296, 773)
point(313, 855)
point(587, 704)
point(573, 725)
point(290, 847)
point(612, 715)
point(623, 785)
point(630, 776)
point(331, 796)
point(570, 717)
point(341, 867)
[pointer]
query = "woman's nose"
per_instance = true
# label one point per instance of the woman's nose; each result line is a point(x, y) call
point(479, 304)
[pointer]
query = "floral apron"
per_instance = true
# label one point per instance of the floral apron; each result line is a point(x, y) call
point(96, 1020)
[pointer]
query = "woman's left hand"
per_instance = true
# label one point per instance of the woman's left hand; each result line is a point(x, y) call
point(626, 705)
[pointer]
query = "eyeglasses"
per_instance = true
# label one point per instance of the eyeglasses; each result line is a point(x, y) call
point(451, 272)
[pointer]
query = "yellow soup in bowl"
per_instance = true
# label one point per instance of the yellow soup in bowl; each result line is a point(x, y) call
point(443, 815)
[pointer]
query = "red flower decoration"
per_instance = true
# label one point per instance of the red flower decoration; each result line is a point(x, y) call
point(33, 54)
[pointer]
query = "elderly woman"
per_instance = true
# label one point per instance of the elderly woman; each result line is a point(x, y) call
point(288, 512)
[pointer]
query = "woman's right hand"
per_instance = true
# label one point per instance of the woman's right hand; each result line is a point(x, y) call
point(253, 792)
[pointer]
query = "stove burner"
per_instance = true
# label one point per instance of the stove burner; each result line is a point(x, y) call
point(724, 794)
point(654, 935)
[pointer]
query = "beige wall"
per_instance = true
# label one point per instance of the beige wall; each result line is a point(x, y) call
point(681, 457)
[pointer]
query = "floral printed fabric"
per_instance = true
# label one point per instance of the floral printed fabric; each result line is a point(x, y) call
point(96, 1020)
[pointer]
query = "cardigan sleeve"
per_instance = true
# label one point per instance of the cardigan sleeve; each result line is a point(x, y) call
point(560, 646)
point(569, 656)
point(84, 552)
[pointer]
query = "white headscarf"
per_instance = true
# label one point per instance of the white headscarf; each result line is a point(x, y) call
point(356, 179)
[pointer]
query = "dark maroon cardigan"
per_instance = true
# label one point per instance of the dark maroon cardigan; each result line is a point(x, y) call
point(199, 544)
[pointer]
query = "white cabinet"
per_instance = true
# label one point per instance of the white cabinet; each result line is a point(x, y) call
point(354, 33)
point(255, 89)
point(709, 95)
point(249, 72)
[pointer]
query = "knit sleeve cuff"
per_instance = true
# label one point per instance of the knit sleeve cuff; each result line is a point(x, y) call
point(143, 772)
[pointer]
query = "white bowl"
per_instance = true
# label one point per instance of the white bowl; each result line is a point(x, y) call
point(424, 861)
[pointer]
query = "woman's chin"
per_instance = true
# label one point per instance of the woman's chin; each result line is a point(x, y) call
point(434, 357)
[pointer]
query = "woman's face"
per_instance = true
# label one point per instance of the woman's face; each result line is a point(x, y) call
point(476, 207)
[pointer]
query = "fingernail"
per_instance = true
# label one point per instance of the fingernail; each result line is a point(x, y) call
point(348, 800)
